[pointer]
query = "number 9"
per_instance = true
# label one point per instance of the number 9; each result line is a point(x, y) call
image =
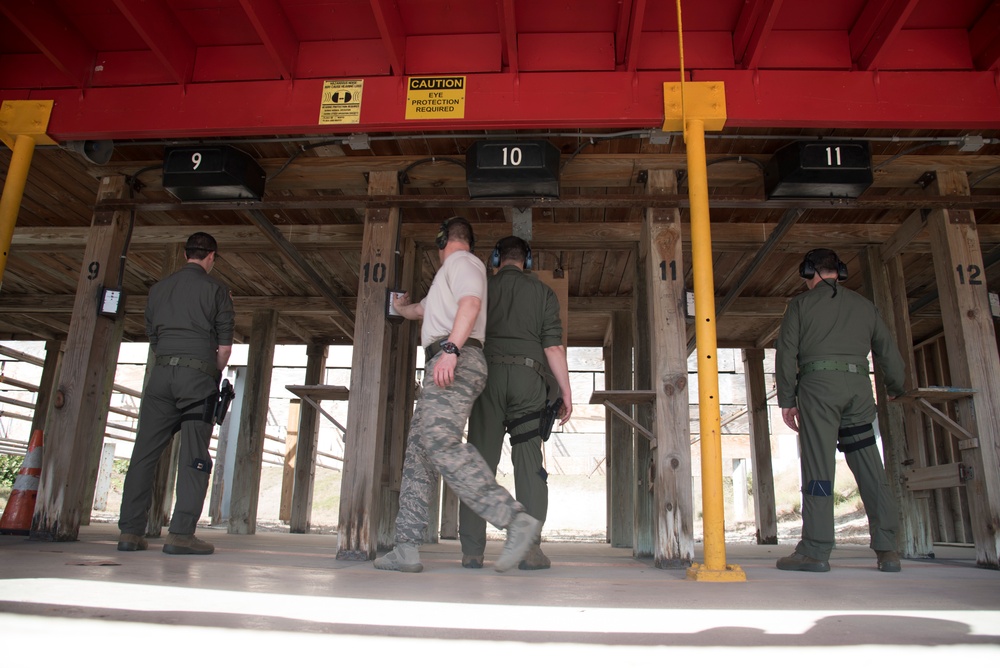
point(196, 159)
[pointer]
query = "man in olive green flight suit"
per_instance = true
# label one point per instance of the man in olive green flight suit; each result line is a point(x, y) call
point(825, 394)
point(189, 322)
point(527, 364)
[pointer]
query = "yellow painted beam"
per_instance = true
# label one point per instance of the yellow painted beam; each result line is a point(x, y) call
point(28, 118)
point(703, 100)
point(694, 107)
point(23, 124)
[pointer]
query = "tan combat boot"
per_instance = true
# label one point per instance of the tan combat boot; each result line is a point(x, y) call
point(535, 560)
point(178, 543)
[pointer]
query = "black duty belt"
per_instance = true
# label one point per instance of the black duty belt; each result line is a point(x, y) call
point(517, 360)
point(191, 362)
point(433, 349)
point(823, 365)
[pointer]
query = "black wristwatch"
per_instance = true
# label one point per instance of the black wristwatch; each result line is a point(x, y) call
point(450, 348)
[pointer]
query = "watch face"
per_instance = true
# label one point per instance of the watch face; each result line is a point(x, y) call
point(449, 348)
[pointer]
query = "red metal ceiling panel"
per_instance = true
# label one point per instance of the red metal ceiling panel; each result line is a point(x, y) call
point(813, 15)
point(227, 40)
point(933, 14)
point(453, 54)
point(347, 59)
point(322, 21)
point(432, 17)
point(928, 50)
point(536, 100)
point(568, 16)
point(566, 52)
point(704, 50)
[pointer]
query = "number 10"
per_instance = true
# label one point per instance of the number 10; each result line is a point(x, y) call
point(514, 158)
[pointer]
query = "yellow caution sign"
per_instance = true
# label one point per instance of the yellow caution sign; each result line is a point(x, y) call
point(341, 102)
point(435, 97)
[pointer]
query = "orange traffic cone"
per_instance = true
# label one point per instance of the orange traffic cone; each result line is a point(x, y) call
point(21, 504)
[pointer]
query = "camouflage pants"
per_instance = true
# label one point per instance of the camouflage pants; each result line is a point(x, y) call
point(435, 446)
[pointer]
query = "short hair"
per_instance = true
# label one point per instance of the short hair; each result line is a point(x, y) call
point(199, 245)
point(460, 229)
point(825, 260)
point(513, 248)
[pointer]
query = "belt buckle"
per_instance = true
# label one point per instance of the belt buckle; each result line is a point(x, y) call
point(174, 361)
point(853, 368)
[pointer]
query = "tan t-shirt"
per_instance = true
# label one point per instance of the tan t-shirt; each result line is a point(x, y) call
point(461, 275)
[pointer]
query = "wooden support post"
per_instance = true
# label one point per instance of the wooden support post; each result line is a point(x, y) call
point(288, 464)
point(365, 442)
point(74, 431)
point(406, 339)
point(644, 525)
point(660, 249)
point(621, 469)
point(917, 526)
point(308, 441)
point(764, 510)
point(609, 422)
point(913, 539)
point(972, 356)
point(46, 384)
point(165, 475)
point(253, 423)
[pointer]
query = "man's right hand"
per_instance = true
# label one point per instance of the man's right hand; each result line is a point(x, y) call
point(791, 418)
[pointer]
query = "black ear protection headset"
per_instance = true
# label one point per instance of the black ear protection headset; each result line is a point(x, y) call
point(807, 269)
point(495, 257)
point(442, 236)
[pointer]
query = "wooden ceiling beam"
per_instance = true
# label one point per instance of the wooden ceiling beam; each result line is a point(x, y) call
point(553, 237)
point(597, 201)
point(585, 170)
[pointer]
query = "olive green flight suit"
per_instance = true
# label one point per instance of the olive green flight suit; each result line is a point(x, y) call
point(522, 319)
point(834, 329)
point(189, 315)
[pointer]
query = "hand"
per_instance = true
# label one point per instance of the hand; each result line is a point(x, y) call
point(401, 300)
point(564, 413)
point(791, 418)
point(444, 369)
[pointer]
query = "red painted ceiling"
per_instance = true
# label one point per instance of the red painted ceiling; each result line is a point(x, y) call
point(175, 68)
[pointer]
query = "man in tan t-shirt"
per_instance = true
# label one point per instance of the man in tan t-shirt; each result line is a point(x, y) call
point(453, 329)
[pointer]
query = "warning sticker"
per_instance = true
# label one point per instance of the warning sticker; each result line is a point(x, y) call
point(435, 97)
point(341, 102)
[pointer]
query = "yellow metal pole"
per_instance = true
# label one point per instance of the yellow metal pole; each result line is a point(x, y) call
point(13, 191)
point(713, 514)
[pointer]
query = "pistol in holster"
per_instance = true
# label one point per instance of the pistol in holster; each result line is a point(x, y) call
point(549, 416)
point(226, 395)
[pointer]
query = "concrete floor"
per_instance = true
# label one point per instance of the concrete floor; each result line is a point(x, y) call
point(272, 596)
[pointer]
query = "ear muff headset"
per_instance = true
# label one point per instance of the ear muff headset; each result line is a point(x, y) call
point(442, 236)
point(807, 269)
point(495, 256)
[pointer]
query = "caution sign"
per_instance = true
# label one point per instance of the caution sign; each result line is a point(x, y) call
point(341, 103)
point(435, 97)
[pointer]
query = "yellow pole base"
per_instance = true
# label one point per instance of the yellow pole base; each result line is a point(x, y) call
point(732, 573)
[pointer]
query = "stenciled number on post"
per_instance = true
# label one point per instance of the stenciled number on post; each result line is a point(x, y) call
point(673, 270)
point(92, 270)
point(374, 272)
point(973, 271)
